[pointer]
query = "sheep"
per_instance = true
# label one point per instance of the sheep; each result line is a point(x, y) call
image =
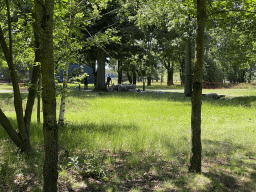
point(213, 95)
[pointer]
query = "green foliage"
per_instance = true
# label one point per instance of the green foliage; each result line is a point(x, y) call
point(21, 26)
point(78, 74)
point(212, 73)
point(111, 122)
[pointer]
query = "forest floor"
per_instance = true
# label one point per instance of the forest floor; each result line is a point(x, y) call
point(139, 142)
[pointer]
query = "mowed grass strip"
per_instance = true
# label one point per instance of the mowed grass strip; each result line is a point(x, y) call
point(141, 142)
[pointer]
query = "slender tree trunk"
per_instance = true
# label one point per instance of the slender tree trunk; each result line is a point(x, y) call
point(38, 104)
point(134, 77)
point(63, 96)
point(37, 63)
point(182, 69)
point(39, 98)
point(196, 146)
point(44, 28)
point(31, 97)
point(119, 72)
point(93, 65)
point(188, 70)
point(170, 75)
point(65, 74)
point(149, 80)
point(129, 77)
point(101, 84)
point(10, 130)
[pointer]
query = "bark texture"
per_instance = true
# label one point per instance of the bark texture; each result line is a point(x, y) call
point(39, 93)
point(10, 130)
point(182, 71)
point(100, 83)
point(44, 29)
point(31, 97)
point(63, 96)
point(149, 80)
point(119, 72)
point(196, 146)
point(188, 70)
point(170, 74)
point(129, 77)
point(134, 77)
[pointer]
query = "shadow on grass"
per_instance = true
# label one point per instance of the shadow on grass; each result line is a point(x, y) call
point(171, 96)
point(36, 131)
point(98, 128)
point(18, 172)
point(224, 169)
point(230, 166)
point(4, 96)
point(245, 101)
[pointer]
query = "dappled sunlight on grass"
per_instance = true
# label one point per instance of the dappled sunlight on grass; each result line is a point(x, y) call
point(139, 142)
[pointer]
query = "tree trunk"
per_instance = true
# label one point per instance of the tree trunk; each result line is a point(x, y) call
point(10, 130)
point(93, 65)
point(44, 29)
point(39, 98)
point(129, 77)
point(100, 83)
point(188, 70)
point(63, 95)
point(31, 97)
point(119, 72)
point(170, 75)
point(149, 80)
point(196, 146)
point(134, 78)
point(182, 74)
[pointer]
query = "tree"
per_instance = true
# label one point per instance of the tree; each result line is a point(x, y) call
point(43, 28)
point(196, 146)
point(128, 50)
point(223, 8)
point(174, 28)
point(99, 35)
point(101, 59)
point(169, 49)
point(188, 62)
point(67, 45)
point(212, 72)
point(234, 51)
point(21, 139)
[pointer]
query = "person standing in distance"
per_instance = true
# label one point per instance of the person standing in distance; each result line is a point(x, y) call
point(108, 80)
point(86, 82)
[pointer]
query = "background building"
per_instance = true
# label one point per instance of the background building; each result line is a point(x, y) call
point(86, 69)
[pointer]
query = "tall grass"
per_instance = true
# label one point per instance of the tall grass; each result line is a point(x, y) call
point(117, 138)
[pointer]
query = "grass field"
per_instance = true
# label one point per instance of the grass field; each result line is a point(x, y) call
point(140, 142)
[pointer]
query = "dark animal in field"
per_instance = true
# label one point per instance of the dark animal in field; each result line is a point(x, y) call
point(123, 87)
point(213, 95)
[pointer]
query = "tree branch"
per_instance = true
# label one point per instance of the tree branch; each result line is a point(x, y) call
point(31, 96)
point(9, 26)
